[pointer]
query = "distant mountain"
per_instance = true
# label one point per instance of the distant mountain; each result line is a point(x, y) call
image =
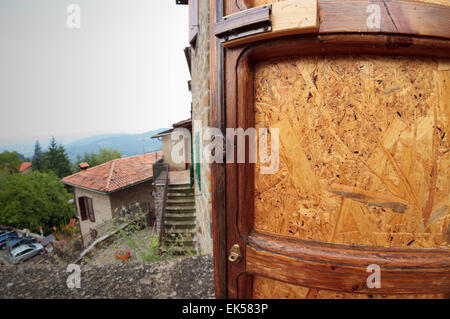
point(126, 144)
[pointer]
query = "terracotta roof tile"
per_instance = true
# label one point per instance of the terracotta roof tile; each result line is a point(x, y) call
point(116, 174)
point(24, 166)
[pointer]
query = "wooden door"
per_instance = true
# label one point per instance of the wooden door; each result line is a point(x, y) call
point(364, 156)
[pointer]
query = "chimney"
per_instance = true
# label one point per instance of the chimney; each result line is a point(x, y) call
point(83, 166)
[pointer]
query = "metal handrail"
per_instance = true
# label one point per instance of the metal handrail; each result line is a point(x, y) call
point(158, 168)
point(165, 169)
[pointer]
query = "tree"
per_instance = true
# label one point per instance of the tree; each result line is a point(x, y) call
point(93, 159)
point(33, 200)
point(37, 157)
point(56, 160)
point(10, 162)
point(105, 155)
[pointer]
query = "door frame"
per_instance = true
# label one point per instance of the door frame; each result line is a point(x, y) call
point(233, 184)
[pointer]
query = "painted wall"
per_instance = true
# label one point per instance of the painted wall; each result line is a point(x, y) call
point(167, 145)
point(102, 211)
point(141, 193)
point(201, 120)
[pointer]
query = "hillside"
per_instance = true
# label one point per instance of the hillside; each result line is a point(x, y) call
point(126, 144)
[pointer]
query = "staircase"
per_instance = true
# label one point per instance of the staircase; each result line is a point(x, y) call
point(179, 221)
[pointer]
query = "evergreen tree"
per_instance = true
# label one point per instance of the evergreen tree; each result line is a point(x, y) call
point(55, 160)
point(37, 157)
point(93, 159)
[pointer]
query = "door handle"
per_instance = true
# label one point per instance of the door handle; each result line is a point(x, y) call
point(235, 254)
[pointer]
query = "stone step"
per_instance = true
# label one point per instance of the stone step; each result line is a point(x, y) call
point(184, 242)
point(179, 208)
point(182, 215)
point(182, 250)
point(190, 244)
point(180, 187)
point(180, 227)
point(179, 243)
point(181, 201)
point(178, 195)
point(181, 219)
point(180, 231)
point(187, 223)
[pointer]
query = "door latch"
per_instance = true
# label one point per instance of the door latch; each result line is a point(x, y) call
point(235, 254)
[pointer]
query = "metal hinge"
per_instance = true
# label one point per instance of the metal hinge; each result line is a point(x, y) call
point(278, 19)
point(244, 24)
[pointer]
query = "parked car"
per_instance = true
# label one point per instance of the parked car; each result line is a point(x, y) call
point(7, 237)
point(24, 252)
point(19, 241)
point(4, 231)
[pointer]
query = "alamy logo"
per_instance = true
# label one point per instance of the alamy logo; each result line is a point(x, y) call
point(374, 19)
point(74, 18)
point(211, 146)
point(74, 279)
point(374, 280)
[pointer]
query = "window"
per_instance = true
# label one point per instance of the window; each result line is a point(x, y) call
point(26, 251)
point(86, 208)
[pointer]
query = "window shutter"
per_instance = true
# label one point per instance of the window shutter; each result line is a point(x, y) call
point(90, 210)
point(193, 21)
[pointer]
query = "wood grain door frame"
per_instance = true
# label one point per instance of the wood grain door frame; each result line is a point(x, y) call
point(412, 271)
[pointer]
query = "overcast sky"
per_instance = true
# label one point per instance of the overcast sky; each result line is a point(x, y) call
point(124, 70)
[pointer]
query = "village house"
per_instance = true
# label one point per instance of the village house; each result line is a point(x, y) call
point(112, 189)
point(25, 168)
point(168, 146)
point(175, 202)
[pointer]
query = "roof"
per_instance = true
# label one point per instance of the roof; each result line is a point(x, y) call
point(24, 166)
point(116, 174)
point(182, 124)
point(185, 123)
point(83, 165)
point(166, 132)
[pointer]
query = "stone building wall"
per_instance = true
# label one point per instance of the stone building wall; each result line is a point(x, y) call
point(201, 120)
point(158, 195)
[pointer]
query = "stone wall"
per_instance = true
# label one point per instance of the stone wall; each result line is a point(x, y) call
point(186, 278)
point(158, 195)
point(201, 120)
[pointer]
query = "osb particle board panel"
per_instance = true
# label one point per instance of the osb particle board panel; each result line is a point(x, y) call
point(264, 288)
point(364, 150)
point(257, 3)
